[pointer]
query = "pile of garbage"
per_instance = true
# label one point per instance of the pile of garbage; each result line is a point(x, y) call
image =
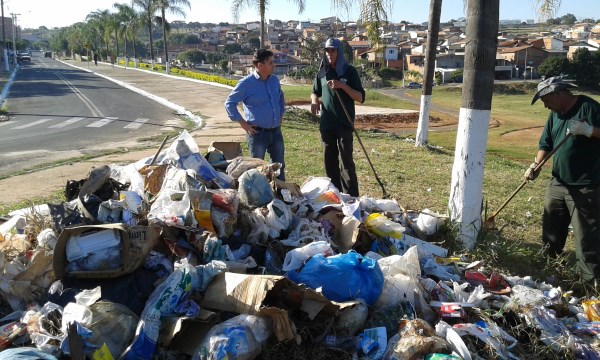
point(212, 257)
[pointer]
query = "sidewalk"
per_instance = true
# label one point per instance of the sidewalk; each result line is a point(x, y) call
point(193, 96)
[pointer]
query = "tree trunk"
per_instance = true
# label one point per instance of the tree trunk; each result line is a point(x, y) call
point(262, 23)
point(116, 43)
point(150, 35)
point(164, 26)
point(474, 119)
point(435, 9)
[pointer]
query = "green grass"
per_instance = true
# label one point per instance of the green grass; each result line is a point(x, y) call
point(301, 93)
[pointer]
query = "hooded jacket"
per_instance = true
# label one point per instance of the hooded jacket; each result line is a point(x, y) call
point(332, 114)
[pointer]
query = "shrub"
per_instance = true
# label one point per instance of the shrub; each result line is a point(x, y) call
point(390, 74)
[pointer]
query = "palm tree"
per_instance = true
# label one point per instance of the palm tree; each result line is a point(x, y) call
point(174, 7)
point(471, 139)
point(99, 19)
point(432, 38)
point(238, 5)
point(149, 8)
point(373, 14)
point(130, 24)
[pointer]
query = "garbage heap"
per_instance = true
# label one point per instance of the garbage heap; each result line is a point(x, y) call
point(212, 257)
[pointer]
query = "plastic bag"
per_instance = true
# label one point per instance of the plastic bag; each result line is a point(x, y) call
point(240, 338)
point(320, 192)
point(407, 264)
point(254, 189)
point(372, 205)
point(241, 164)
point(225, 199)
point(278, 218)
point(162, 302)
point(428, 224)
point(171, 207)
point(114, 325)
point(296, 257)
point(342, 277)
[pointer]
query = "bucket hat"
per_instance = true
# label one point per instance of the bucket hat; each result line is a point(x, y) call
point(550, 85)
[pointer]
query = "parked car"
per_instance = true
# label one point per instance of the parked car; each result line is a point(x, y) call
point(48, 54)
point(24, 56)
point(413, 85)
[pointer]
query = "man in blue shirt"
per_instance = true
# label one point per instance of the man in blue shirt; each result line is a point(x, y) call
point(261, 95)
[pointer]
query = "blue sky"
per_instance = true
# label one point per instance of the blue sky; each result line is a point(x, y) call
point(58, 13)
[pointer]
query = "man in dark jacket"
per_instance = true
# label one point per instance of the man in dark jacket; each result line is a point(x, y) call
point(337, 80)
point(573, 194)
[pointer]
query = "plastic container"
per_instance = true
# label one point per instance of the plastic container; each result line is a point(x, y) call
point(380, 225)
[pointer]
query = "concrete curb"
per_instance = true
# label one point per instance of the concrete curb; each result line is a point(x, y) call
point(199, 121)
point(7, 86)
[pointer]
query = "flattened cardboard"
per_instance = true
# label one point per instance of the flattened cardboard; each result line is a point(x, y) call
point(136, 244)
point(247, 294)
point(184, 334)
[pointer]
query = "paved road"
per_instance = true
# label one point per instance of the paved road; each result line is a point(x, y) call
point(59, 112)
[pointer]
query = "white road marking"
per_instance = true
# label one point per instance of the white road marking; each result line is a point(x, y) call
point(102, 122)
point(32, 124)
point(66, 122)
point(136, 124)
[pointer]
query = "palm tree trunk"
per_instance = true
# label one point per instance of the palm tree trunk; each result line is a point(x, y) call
point(164, 26)
point(435, 9)
point(474, 119)
point(116, 43)
point(150, 35)
point(261, 8)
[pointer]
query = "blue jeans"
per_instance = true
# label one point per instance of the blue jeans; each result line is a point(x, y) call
point(271, 141)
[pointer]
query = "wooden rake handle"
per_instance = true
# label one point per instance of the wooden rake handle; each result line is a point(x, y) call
point(536, 169)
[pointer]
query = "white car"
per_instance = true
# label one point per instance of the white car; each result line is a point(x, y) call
point(24, 56)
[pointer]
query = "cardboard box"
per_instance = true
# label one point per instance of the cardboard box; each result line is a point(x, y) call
point(136, 244)
point(231, 149)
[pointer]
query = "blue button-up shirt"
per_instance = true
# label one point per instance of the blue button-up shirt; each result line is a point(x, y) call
point(262, 99)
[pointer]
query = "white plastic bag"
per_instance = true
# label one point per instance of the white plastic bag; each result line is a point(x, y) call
point(296, 257)
point(240, 338)
point(171, 207)
point(321, 192)
point(278, 218)
point(428, 224)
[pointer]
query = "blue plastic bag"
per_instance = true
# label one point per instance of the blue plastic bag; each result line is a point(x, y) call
point(343, 277)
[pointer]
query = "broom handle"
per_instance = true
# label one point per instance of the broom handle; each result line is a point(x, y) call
point(360, 142)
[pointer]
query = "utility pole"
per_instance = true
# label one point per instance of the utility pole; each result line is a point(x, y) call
point(4, 51)
point(14, 18)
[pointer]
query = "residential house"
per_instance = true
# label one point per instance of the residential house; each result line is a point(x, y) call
point(554, 43)
point(526, 58)
point(359, 47)
point(581, 44)
point(384, 56)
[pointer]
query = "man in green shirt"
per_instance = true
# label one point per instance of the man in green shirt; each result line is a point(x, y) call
point(573, 194)
point(336, 75)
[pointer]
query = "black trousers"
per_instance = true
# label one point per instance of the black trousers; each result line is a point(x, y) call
point(580, 207)
point(339, 145)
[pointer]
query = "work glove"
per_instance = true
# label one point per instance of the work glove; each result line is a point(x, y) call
point(531, 174)
point(581, 128)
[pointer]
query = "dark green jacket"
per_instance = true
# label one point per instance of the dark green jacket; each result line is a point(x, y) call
point(577, 162)
point(332, 113)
